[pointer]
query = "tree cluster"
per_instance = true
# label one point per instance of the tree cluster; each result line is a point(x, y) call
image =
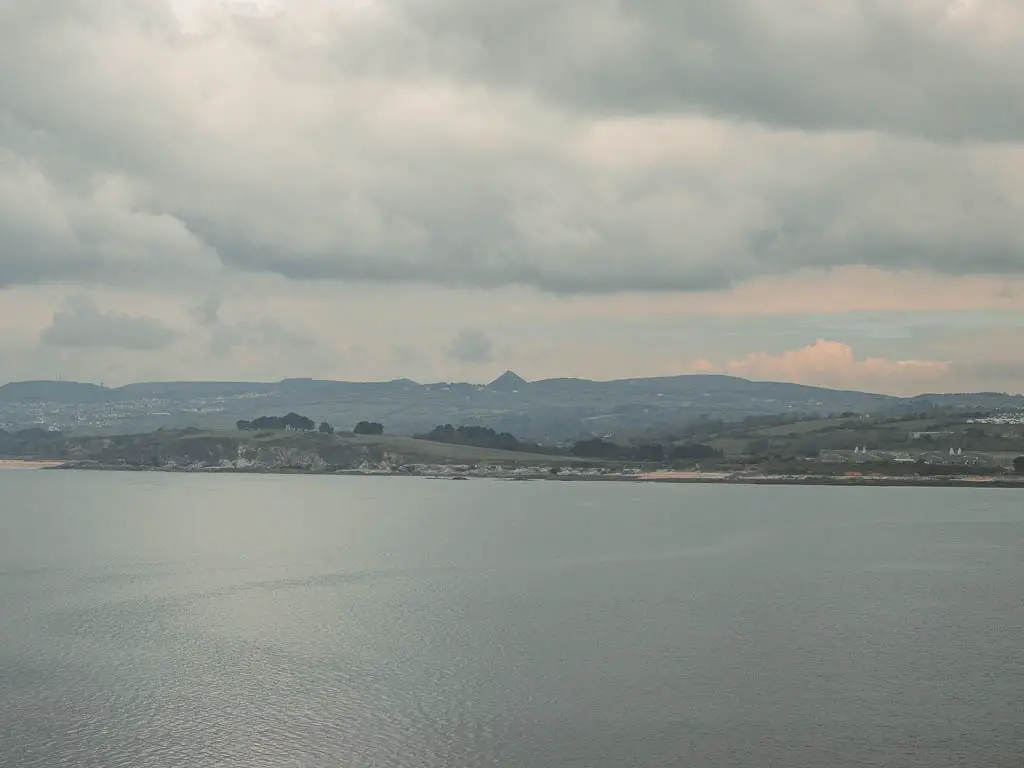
point(693, 452)
point(34, 442)
point(481, 437)
point(292, 421)
point(368, 428)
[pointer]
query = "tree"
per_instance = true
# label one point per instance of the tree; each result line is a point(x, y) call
point(369, 428)
point(1018, 465)
point(758, 447)
point(299, 423)
point(653, 453)
point(482, 437)
point(807, 448)
point(596, 448)
point(292, 421)
point(244, 426)
point(326, 429)
point(694, 451)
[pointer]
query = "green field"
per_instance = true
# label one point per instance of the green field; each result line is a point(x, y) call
point(797, 428)
point(411, 449)
point(337, 449)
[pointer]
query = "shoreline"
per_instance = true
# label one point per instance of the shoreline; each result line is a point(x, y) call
point(30, 464)
point(966, 481)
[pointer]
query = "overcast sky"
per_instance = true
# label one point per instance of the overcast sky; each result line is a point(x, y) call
point(824, 192)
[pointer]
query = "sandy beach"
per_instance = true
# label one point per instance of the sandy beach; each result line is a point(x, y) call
point(683, 475)
point(27, 464)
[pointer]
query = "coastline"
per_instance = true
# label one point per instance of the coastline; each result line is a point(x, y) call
point(666, 478)
point(29, 464)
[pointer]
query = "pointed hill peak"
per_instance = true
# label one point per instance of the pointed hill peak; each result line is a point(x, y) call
point(507, 382)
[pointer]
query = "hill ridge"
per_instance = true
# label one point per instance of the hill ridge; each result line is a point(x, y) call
point(553, 409)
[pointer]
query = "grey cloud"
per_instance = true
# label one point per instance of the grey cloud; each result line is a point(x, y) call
point(81, 324)
point(471, 345)
point(572, 147)
point(207, 310)
point(944, 70)
point(53, 228)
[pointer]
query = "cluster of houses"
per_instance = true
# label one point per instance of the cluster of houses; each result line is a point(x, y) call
point(1007, 418)
point(863, 455)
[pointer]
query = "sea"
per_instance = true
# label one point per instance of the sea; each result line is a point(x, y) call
point(154, 620)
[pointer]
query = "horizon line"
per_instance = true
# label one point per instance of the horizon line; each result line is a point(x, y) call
point(695, 375)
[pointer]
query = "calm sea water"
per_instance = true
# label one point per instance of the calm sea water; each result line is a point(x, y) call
point(175, 620)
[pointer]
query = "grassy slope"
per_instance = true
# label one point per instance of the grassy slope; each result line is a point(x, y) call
point(796, 428)
point(409, 448)
point(813, 426)
point(880, 433)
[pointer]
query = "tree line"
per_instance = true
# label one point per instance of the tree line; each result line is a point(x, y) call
point(480, 437)
point(588, 448)
point(295, 422)
point(291, 421)
point(368, 428)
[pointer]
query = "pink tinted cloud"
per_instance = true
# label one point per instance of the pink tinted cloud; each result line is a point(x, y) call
point(833, 364)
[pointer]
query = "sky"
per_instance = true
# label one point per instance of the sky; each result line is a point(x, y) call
point(828, 193)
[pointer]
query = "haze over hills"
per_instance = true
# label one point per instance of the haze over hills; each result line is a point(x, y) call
point(554, 409)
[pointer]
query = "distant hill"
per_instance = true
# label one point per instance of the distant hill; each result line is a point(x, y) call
point(553, 409)
point(969, 400)
point(55, 392)
point(189, 389)
point(508, 382)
